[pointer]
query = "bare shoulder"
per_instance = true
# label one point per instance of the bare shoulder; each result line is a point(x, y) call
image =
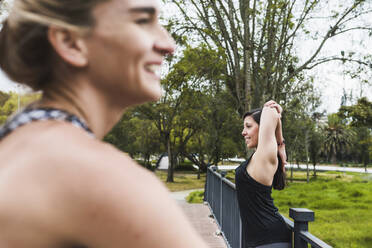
point(88, 191)
point(111, 201)
point(120, 203)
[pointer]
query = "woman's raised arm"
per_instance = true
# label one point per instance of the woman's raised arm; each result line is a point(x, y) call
point(264, 161)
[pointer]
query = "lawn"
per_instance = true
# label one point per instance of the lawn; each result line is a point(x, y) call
point(342, 203)
point(182, 180)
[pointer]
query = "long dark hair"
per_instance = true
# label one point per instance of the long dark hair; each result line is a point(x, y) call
point(279, 181)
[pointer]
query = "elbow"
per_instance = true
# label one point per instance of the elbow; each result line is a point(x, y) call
point(273, 159)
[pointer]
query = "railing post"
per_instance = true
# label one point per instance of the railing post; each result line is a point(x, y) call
point(240, 233)
point(214, 194)
point(223, 174)
point(205, 197)
point(301, 217)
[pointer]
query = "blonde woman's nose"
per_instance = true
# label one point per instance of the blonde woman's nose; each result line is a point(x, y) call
point(165, 44)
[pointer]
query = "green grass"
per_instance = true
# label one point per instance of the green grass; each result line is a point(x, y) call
point(342, 203)
point(182, 180)
point(195, 197)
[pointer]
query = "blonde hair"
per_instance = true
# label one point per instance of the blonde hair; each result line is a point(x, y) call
point(26, 55)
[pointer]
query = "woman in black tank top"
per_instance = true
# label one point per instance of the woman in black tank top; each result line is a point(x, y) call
point(262, 225)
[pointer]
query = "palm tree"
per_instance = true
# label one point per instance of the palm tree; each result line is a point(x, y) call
point(337, 137)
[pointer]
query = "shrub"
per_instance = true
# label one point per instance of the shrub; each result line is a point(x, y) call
point(185, 166)
point(195, 197)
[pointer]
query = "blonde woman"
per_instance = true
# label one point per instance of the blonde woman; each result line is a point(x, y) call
point(60, 185)
point(262, 225)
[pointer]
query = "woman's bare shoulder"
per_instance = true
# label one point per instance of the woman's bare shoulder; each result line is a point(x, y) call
point(116, 201)
point(99, 196)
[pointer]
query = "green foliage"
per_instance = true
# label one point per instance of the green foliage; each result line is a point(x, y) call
point(299, 127)
point(185, 166)
point(9, 103)
point(219, 136)
point(193, 94)
point(195, 197)
point(337, 136)
point(359, 118)
point(135, 136)
point(3, 98)
point(316, 139)
point(359, 114)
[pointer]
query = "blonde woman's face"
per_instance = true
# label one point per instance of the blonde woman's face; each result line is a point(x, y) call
point(250, 132)
point(126, 50)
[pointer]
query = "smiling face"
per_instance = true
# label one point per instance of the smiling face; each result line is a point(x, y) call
point(250, 132)
point(126, 49)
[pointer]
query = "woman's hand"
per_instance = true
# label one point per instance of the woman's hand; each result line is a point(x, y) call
point(273, 104)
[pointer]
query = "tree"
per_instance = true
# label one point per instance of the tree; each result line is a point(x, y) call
point(316, 141)
point(219, 137)
point(177, 114)
point(122, 135)
point(360, 114)
point(135, 136)
point(359, 117)
point(259, 40)
point(337, 137)
point(147, 140)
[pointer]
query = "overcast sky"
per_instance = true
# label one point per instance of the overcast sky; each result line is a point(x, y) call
point(330, 79)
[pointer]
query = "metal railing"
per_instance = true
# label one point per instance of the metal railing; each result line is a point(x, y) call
point(220, 194)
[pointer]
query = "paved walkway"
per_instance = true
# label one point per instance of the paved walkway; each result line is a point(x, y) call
point(198, 214)
point(318, 168)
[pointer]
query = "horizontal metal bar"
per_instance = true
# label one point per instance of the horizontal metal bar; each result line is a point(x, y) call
point(313, 241)
point(215, 173)
point(229, 183)
point(288, 222)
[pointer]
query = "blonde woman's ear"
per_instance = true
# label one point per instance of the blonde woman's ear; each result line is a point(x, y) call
point(68, 45)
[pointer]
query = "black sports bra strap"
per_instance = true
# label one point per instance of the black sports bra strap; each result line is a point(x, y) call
point(39, 114)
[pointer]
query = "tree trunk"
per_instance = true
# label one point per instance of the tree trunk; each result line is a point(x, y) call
point(333, 158)
point(307, 155)
point(291, 174)
point(307, 172)
point(147, 161)
point(170, 163)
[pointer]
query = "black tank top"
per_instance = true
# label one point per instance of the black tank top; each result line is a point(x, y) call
point(40, 114)
point(261, 221)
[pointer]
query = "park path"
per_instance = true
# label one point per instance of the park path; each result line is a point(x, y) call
point(198, 215)
point(303, 167)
